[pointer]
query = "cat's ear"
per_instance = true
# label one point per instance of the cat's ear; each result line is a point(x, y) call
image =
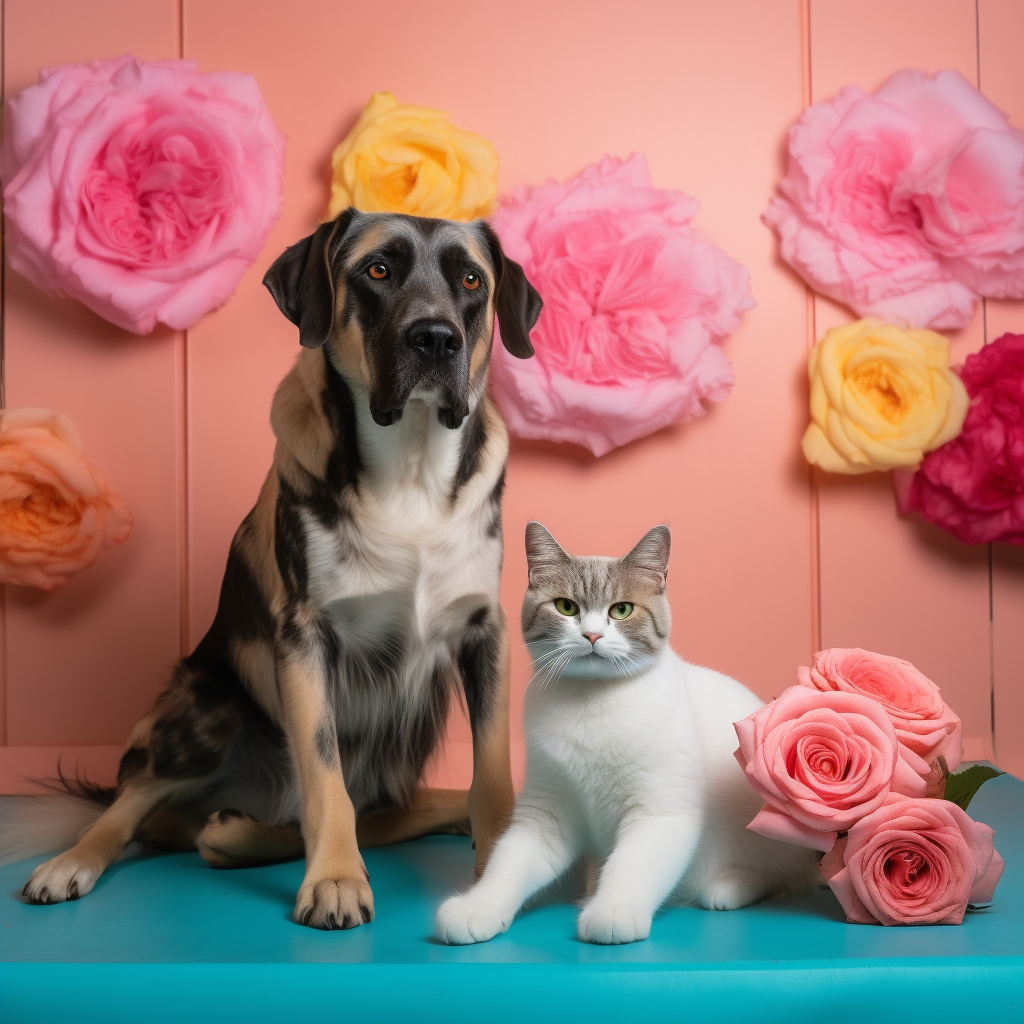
point(651, 554)
point(543, 552)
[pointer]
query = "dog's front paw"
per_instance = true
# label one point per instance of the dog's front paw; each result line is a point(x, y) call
point(609, 923)
point(335, 903)
point(462, 920)
point(64, 878)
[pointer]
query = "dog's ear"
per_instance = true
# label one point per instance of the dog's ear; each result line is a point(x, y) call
point(301, 280)
point(515, 300)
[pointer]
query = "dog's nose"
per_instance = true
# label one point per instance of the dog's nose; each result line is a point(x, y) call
point(593, 637)
point(434, 338)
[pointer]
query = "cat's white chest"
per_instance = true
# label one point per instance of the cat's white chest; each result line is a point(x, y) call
point(609, 748)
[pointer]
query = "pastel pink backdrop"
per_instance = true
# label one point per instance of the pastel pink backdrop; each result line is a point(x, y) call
point(770, 562)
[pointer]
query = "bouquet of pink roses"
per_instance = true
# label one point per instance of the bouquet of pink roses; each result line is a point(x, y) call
point(854, 761)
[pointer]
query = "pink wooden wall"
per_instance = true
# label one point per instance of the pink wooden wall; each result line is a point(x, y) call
point(769, 564)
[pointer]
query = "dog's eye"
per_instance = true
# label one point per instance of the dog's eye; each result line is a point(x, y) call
point(471, 281)
point(378, 271)
point(565, 606)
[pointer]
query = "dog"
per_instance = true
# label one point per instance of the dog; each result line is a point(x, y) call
point(360, 592)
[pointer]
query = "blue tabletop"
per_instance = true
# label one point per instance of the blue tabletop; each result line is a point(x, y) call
point(169, 931)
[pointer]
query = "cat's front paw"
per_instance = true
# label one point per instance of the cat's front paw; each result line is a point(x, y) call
point(610, 923)
point(462, 920)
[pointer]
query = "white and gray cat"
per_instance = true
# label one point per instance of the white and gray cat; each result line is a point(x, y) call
point(629, 760)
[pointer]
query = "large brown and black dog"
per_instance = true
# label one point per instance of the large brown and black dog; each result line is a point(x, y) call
point(359, 591)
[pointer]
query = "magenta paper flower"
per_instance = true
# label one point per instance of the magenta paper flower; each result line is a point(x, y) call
point(907, 203)
point(635, 301)
point(973, 486)
point(144, 189)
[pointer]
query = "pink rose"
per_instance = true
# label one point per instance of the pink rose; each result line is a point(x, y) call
point(822, 761)
point(973, 486)
point(56, 511)
point(907, 203)
point(913, 862)
point(922, 719)
point(144, 189)
point(634, 303)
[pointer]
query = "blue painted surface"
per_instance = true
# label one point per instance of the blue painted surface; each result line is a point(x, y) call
point(165, 936)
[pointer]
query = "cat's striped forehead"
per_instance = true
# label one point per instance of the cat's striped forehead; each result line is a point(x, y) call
point(593, 581)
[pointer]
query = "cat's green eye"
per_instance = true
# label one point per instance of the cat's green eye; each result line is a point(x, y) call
point(566, 607)
point(622, 610)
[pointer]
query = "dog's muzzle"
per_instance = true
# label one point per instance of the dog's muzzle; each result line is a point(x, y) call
point(431, 356)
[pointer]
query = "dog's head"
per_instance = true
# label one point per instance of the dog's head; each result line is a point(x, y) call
point(408, 304)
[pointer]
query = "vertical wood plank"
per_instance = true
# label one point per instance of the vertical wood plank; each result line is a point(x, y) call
point(892, 585)
point(705, 90)
point(83, 662)
point(1001, 25)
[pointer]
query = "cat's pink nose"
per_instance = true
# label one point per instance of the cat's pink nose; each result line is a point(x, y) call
point(593, 637)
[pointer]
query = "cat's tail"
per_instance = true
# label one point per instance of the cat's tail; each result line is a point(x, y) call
point(53, 821)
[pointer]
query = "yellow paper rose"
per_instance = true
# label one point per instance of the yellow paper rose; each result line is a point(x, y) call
point(881, 397)
point(405, 159)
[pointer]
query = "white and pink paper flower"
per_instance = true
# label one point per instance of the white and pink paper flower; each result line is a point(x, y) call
point(906, 203)
point(636, 302)
point(144, 189)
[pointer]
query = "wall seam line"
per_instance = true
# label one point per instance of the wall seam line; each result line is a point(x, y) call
point(3, 373)
point(183, 430)
point(991, 552)
point(810, 332)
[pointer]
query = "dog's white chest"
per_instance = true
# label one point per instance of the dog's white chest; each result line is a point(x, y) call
point(422, 573)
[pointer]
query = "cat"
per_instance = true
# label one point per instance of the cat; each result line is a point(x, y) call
point(629, 760)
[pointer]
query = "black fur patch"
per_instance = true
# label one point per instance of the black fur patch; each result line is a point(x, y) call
point(290, 542)
point(197, 719)
point(495, 499)
point(134, 761)
point(326, 744)
point(478, 666)
point(473, 440)
point(242, 603)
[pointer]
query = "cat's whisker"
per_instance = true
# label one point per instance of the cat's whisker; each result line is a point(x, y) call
point(554, 670)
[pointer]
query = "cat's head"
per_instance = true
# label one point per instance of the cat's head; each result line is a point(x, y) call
point(595, 617)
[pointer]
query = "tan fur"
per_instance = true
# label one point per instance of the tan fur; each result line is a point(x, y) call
point(491, 797)
point(335, 881)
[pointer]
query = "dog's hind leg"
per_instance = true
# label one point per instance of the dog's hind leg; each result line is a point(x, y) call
point(431, 812)
point(174, 751)
point(233, 839)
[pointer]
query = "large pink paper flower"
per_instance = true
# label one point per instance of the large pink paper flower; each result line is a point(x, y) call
point(973, 486)
point(923, 721)
point(913, 862)
point(144, 189)
point(821, 761)
point(908, 203)
point(635, 300)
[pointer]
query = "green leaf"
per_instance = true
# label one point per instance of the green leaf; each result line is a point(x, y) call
point(961, 787)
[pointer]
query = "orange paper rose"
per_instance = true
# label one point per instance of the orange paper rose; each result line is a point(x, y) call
point(56, 511)
point(400, 158)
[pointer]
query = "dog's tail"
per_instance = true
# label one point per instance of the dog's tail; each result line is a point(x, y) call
point(53, 821)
